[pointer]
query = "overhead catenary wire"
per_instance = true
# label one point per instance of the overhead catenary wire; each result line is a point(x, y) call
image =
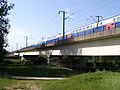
point(104, 5)
point(49, 22)
point(95, 9)
point(45, 25)
point(55, 17)
point(91, 11)
point(76, 12)
point(74, 4)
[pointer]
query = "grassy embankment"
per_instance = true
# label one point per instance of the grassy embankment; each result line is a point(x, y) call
point(89, 81)
point(33, 70)
point(103, 80)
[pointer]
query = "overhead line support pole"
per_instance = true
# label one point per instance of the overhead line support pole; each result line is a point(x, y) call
point(26, 41)
point(98, 20)
point(63, 22)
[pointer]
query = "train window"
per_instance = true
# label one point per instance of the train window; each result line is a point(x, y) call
point(86, 27)
point(108, 28)
point(118, 19)
point(114, 19)
point(91, 25)
point(101, 23)
point(80, 29)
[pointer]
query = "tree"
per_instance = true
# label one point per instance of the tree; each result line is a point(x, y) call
point(4, 24)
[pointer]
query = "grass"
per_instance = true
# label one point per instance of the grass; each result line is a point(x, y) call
point(35, 70)
point(100, 80)
point(13, 60)
point(7, 82)
point(89, 81)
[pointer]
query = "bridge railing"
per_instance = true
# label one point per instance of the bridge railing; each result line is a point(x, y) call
point(79, 39)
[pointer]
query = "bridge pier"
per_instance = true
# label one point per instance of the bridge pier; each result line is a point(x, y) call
point(73, 62)
point(79, 62)
point(48, 59)
point(83, 63)
point(22, 58)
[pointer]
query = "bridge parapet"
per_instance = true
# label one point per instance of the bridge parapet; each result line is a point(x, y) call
point(78, 39)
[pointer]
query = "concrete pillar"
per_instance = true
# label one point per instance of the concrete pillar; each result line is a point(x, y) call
point(22, 58)
point(83, 64)
point(48, 60)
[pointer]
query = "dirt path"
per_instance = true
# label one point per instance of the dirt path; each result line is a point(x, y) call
point(35, 78)
point(27, 85)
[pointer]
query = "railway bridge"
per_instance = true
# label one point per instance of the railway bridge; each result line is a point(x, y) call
point(104, 43)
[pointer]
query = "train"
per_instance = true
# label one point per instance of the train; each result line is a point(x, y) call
point(105, 24)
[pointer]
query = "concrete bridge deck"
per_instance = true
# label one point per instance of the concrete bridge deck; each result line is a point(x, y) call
point(105, 43)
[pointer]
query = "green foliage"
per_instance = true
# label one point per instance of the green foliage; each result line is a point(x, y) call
point(100, 80)
point(89, 81)
point(14, 61)
point(108, 63)
point(4, 24)
point(35, 70)
point(6, 82)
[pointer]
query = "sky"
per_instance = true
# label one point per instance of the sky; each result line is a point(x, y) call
point(36, 19)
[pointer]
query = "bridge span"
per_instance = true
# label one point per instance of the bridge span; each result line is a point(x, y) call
point(105, 43)
point(102, 47)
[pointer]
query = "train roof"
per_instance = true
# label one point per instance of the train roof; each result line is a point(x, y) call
point(100, 21)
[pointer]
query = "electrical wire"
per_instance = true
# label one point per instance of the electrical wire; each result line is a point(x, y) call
point(49, 22)
point(107, 4)
point(104, 5)
point(75, 4)
point(78, 11)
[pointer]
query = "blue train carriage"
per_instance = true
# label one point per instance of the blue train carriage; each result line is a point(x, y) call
point(116, 19)
point(59, 37)
point(106, 24)
point(39, 44)
point(80, 31)
point(43, 43)
point(109, 23)
point(68, 35)
point(74, 34)
point(48, 40)
point(90, 29)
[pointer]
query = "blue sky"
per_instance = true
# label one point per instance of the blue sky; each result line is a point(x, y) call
point(40, 18)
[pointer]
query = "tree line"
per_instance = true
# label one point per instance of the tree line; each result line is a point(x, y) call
point(5, 7)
